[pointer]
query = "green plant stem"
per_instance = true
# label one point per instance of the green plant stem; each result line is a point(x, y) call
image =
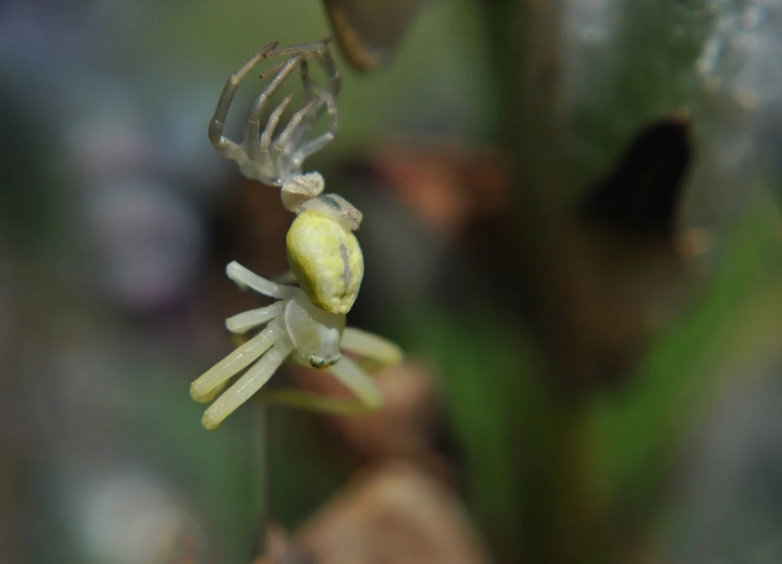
point(562, 525)
point(262, 473)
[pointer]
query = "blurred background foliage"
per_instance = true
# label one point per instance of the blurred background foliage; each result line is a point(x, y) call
point(468, 155)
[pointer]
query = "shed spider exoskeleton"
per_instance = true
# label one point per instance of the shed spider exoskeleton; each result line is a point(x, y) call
point(277, 159)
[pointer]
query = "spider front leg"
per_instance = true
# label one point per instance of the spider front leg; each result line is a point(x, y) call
point(244, 278)
point(246, 386)
point(225, 146)
point(211, 382)
point(359, 382)
point(243, 322)
point(355, 378)
point(371, 346)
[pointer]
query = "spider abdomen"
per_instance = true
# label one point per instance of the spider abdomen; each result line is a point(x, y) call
point(326, 258)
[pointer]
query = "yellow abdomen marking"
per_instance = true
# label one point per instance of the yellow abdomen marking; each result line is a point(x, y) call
point(326, 258)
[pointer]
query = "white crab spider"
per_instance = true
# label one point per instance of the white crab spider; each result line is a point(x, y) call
point(277, 160)
point(297, 329)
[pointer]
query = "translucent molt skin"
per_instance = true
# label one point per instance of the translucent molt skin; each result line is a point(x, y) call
point(326, 258)
point(266, 154)
point(316, 334)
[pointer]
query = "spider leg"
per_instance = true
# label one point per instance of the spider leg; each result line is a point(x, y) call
point(331, 106)
point(358, 382)
point(207, 385)
point(300, 120)
point(368, 395)
point(300, 154)
point(252, 132)
point(330, 67)
point(311, 147)
point(243, 322)
point(371, 346)
point(287, 277)
point(316, 144)
point(305, 80)
point(322, 53)
point(223, 145)
point(274, 120)
point(319, 50)
point(244, 278)
point(306, 125)
point(247, 385)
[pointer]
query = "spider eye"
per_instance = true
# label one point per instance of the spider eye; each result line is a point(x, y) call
point(321, 362)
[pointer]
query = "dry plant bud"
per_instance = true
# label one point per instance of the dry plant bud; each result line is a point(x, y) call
point(396, 515)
